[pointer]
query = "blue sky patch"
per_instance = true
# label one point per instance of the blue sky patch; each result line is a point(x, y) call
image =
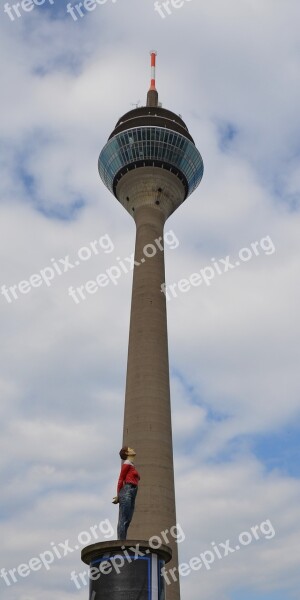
point(280, 450)
point(227, 132)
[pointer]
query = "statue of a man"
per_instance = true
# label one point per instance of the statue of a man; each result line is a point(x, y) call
point(126, 491)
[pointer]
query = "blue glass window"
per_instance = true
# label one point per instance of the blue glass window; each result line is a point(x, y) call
point(159, 144)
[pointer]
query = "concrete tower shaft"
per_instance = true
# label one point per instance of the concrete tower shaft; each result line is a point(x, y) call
point(150, 186)
point(147, 416)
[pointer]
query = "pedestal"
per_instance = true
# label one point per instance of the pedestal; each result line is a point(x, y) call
point(126, 570)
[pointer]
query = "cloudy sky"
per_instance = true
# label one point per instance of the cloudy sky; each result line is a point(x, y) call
point(231, 69)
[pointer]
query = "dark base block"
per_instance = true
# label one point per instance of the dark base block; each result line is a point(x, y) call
point(126, 570)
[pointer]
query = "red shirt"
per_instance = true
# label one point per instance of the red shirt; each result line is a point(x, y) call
point(128, 474)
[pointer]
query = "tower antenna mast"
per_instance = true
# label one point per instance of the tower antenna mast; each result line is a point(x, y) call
point(152, 96)
point(153, 55)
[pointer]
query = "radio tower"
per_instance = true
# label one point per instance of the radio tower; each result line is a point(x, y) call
point(151, 165)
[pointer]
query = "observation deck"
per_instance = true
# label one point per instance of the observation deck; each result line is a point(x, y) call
point(155, 137)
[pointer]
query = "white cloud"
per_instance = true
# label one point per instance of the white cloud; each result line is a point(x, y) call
point(234, 351)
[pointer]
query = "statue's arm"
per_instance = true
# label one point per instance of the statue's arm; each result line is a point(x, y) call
point(122, 477)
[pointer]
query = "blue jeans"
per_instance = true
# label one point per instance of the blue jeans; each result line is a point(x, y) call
point(127, 497)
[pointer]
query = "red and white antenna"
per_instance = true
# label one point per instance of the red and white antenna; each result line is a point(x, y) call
point(153, 55)
point(152, 97)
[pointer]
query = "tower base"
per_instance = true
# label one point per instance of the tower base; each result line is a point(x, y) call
point(126, 570)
